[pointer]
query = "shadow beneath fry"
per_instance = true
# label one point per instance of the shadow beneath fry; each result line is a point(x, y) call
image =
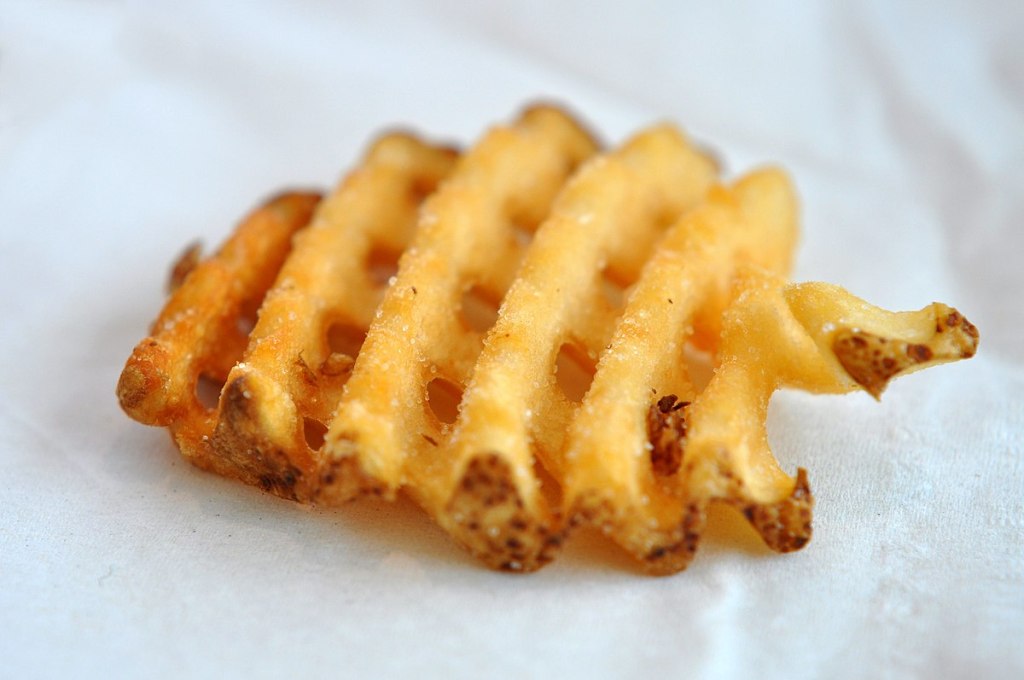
point(380, 529)
point(368, 531)
point(362, 534)
point(370, 534)
point(587, 549)
point(727, 532)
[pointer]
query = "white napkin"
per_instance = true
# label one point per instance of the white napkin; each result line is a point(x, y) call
point(127, 129)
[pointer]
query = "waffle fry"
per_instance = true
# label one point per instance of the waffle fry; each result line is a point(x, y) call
point(524, 370)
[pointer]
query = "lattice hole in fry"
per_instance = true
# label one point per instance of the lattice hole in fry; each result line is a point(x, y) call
point(248, 311)
point(381, 265)
point(345, 339)
point(478, 310)
point(613, 288)
point(208, 389)
point(574, 371)
point(313, 432)
point(443, 398)
point(700, 366)
point(549, 486)
point(522, 234)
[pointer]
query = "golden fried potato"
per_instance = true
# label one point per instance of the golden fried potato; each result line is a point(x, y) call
point(505, 337)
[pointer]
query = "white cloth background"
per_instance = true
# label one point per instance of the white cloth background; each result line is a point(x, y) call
point(129, 128)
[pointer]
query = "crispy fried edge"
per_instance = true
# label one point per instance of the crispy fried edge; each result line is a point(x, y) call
point(198, 331)
point(268, 396)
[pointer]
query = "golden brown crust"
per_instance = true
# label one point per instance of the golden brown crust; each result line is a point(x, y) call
point(644, 401)
point(352, 382)
point(784, 525)
point(241, 441)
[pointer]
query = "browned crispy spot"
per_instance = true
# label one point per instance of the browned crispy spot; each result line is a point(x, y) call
point(872, 360)
point(240, 440)
point(490, 519)
point(919, 353)
point(664, 551)
point(142, 389)
point(136, 381)
point(343, 479)
point(964, 333)
point(785, 526)
point(677, 553)
point(666, 430)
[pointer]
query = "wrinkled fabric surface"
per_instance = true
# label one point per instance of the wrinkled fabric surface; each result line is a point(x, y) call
point(127, 129)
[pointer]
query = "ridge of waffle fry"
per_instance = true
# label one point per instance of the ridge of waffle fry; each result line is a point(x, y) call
point(466, 238)
point(602, 227)
point(523, 372)
point(280, 397)
point(623, 449)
